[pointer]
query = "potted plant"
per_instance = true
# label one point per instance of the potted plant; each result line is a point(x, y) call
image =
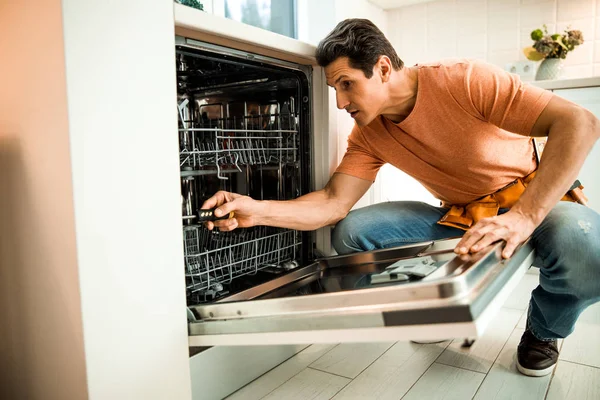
point(191, 3)
point(552, 49)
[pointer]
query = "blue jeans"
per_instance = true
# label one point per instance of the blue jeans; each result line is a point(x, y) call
point(567, 245)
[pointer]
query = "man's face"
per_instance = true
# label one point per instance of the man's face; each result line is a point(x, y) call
point(362, 97)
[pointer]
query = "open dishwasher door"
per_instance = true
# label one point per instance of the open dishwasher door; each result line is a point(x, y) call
point(419, 291)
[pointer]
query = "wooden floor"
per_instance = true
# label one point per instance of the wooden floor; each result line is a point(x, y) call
point(405, 370)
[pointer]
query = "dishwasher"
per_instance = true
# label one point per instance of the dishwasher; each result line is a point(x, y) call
point(245, 126)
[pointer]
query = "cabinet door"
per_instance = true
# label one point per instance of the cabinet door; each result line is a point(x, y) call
point(589, 175)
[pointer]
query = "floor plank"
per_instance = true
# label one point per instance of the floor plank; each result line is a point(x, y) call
point(393, 374)
point(574, 382)
point(533, 271)
point(445, 382)
point(522, 324)
point(591, 314)
point(583, 345)
point(519, 298)
point(309, 384)
point(350, 359)
point(268, 382)
point(505, 382)
point(481, 355)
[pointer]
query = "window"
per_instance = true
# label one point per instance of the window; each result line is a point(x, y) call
point(277, 16)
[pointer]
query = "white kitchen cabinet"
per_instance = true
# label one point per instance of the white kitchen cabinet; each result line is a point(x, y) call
point(588, 97)
point(92, 284)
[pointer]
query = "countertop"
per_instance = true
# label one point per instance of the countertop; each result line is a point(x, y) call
point(239, 35)
point(568, 83)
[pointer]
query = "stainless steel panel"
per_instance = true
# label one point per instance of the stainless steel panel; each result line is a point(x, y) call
point(457, 293)
point(226, 51)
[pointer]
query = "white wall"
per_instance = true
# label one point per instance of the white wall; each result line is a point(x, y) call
point(315, 19)
point(494, 30)
point(361, 9)
point(121, 90)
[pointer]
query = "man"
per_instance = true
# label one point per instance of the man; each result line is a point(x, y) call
point(463, 130)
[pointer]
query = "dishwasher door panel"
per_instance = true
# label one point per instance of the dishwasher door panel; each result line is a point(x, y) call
point(351, 304)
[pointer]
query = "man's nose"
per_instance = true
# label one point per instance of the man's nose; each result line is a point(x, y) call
point(342, 102)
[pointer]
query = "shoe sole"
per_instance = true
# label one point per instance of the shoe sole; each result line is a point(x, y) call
point(534, 372)
point(428, 341)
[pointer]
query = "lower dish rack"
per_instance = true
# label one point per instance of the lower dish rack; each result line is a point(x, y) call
point(213, 259)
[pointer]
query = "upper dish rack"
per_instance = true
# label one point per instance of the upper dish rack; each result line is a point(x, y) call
point(230, 143)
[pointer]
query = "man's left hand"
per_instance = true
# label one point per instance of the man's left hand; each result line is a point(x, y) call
point(512, 227)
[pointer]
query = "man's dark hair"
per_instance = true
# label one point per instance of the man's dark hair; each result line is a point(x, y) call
point(359, 40)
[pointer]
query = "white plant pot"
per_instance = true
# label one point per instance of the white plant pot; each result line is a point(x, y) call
point(550, 68)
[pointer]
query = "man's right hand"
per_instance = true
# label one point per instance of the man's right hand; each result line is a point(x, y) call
point(245, 210)
point(305, 213)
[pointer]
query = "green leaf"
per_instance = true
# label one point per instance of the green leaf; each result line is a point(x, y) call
point(537, 34)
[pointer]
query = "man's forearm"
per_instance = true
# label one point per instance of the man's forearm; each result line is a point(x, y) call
point(308, 212)
point(569, 142)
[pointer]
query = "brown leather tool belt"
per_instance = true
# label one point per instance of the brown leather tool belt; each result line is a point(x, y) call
point(466, 215)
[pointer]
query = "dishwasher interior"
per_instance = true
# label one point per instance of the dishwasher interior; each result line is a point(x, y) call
point(244, 127)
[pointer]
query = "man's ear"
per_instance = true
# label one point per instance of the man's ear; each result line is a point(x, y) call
point(384, 66)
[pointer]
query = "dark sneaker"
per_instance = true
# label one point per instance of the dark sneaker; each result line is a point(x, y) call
point(536, 357)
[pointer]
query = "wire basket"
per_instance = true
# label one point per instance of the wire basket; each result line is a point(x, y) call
point(216, 258)
point(215, 147)
point(258, 135)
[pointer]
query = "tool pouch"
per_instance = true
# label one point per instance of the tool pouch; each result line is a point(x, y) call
point(467, 215)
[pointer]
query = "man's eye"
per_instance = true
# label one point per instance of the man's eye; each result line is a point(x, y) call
point(346, 84)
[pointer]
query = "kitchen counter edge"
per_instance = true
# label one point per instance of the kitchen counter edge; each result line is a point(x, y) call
point(568, 83)
point(200, 21)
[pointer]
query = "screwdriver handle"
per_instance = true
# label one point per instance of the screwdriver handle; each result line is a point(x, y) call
point(209, 215)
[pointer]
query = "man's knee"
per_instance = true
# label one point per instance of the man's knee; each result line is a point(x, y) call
point(343, 235)
point(569, 249)
point(571, 228)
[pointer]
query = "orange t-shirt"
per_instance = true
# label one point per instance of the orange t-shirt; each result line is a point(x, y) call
point(458, 141)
